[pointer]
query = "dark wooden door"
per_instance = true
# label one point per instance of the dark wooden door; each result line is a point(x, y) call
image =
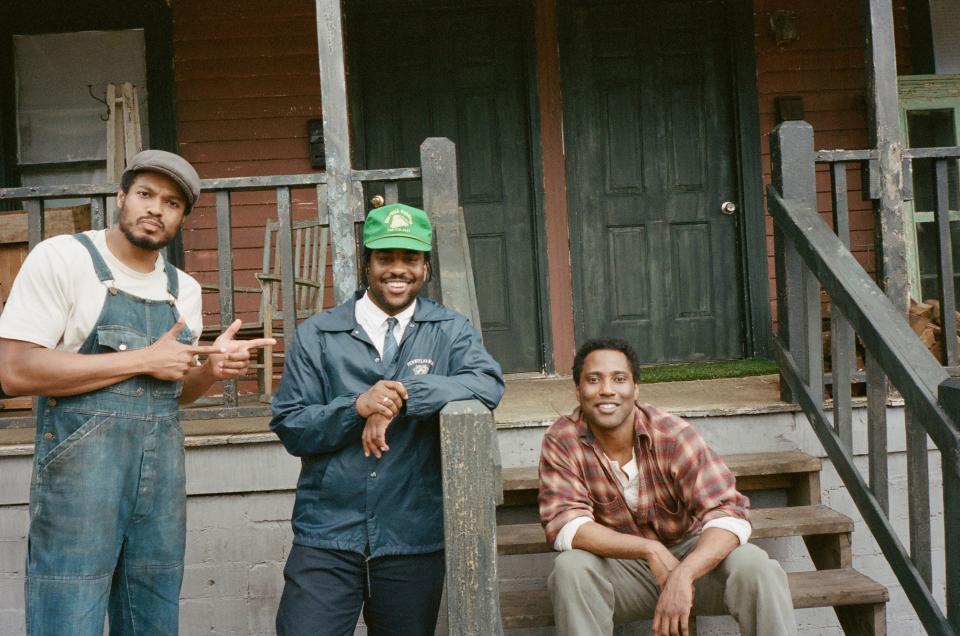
point(459, 73)
point(650, 132)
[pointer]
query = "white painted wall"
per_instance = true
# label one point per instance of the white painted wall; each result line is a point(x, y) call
point(238, 532)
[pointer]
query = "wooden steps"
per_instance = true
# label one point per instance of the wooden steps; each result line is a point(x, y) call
point(823, 588)
point(528, 538)
point(793, 471)
point(859, 601)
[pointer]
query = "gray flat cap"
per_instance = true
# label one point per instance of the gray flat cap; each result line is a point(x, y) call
point(174, 166)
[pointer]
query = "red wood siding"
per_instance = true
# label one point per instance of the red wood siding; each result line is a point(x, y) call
point(247, 82)
point(826, 68)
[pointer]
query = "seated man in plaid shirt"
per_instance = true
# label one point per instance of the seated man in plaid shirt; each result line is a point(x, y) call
point(646, 517)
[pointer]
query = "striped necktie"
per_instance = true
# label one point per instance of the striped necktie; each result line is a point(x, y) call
point(390, 348)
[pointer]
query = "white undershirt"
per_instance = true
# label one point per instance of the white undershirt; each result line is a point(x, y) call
point(373, 320)
point(628, 480)
point(57, 296)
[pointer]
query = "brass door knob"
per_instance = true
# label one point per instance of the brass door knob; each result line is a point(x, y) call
point(377, 200)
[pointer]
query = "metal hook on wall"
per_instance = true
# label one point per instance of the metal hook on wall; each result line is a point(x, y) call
point(102, 101)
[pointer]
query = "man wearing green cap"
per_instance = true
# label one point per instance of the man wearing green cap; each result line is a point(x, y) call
point(359, 401)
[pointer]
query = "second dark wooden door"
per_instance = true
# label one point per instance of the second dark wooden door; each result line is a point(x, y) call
point(650, 135)
point(459, 73)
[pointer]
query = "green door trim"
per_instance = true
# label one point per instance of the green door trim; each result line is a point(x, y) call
point(924, 92)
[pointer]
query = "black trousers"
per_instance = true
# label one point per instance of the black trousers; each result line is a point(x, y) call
point(325, 590)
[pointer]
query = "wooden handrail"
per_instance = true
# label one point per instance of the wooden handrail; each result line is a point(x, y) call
point(809, 255)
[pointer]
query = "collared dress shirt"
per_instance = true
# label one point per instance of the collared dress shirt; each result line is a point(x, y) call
point(373, 320)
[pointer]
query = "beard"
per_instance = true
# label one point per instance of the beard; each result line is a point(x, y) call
point(143, 242)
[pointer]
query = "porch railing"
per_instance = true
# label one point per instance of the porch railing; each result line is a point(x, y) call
point(468, 433)
point(809, 256)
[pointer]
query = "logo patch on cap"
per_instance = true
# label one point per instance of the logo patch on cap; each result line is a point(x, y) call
point(399, 221)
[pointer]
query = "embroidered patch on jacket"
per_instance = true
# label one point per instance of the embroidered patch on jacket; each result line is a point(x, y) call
point(420, 366)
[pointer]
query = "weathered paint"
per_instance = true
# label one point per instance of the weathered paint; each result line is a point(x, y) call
point(344, 195)
point(556, 214)
point(469, 519)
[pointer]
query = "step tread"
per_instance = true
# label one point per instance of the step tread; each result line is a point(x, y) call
point(741, 464)
point(528, 538)
point(821, 588)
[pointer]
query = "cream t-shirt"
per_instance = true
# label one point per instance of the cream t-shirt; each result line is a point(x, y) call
point(57, 296)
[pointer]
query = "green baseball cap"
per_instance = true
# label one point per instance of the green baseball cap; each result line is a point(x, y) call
point(397, 226)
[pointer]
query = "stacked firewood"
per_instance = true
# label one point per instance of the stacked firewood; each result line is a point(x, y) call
point(927, 322)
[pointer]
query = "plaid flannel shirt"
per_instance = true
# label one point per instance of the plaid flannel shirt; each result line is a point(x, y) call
point(683, 483)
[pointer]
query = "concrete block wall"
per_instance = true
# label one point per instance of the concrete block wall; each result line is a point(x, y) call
point(241, 497)
point(233, 567)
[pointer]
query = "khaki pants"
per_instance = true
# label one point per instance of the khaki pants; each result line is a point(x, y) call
point(590, 594)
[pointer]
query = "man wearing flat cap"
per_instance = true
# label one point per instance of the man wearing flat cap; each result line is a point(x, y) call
point(105, 329)
point(359, 403)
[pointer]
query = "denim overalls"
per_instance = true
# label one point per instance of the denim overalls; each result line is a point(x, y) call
point(107, 497)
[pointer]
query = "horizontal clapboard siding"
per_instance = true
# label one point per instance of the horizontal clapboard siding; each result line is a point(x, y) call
point(247, 82)
point(826, 68)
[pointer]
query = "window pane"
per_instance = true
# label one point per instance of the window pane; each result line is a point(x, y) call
point(930, 129)
point(57, 120)
point(927, 246)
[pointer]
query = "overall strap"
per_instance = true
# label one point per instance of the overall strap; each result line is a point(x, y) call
point(103, 272)
point(173, 281)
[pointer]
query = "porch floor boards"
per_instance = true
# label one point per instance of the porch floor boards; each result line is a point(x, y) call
point(528, 401)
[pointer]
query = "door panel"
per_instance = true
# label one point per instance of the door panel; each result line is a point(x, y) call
point(461, 77)
point(650, 131)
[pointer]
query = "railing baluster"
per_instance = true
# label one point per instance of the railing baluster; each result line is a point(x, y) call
point(949, 396)
point(35, 220)
point(918, 503)
point(287, 296)
point(811, 360)
point(98, 213)
point(877, 431)
point(298, 245)
point(308, 267)
point(780, 247)
point(951, 533)
point(842, 355)
point(225, 267)
point(322, 209)
point(948, 300)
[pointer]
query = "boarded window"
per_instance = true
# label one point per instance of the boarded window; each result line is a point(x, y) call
point(61, 137)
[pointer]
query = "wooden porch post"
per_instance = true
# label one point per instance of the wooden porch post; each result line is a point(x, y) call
point(798, 291)
point(884, 107)
point(344, 196)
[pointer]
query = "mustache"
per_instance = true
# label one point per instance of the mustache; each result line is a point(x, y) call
point(152, 219)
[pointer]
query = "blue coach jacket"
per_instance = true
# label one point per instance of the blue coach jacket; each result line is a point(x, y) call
point(346, 501)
